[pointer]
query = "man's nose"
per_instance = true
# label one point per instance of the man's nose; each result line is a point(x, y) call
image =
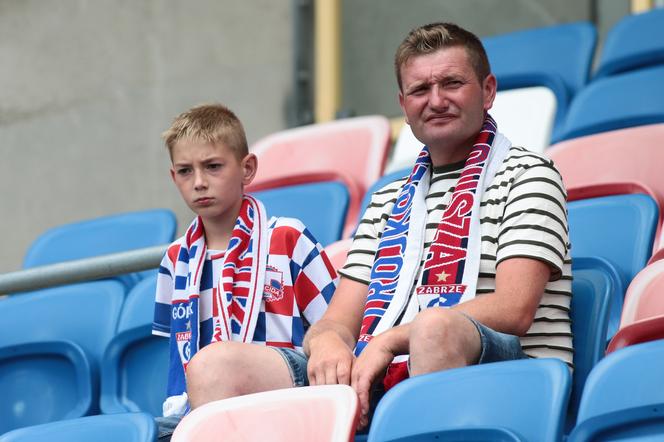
point(438, 98)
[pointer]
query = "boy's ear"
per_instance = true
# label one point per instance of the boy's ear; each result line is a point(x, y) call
point(172, 170)
point(249, 168)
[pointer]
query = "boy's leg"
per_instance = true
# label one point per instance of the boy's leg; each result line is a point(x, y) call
point(228, 369)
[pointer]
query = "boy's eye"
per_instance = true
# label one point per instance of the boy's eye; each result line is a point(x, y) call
point(183, 170)
point(214, 166)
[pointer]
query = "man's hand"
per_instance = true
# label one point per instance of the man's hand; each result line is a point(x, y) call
point(330, 360)
point(368, 368)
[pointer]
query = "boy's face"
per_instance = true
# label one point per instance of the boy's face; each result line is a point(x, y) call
point(211, 179)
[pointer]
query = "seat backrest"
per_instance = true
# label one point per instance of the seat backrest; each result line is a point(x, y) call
point(645, 295)
point(527, 398)
point(619, 228)
point(629, 377)
point(338, 251)
point(556, 57)
point(327, 147)
point(563, 50)
point(127, 427)
point(625, 155)
point(526, 115)
point(50, 327)
point(101, 236)
point(134, 371)
point(323, 413)
point(595, 288)
point(321, 206)
point(631, 99)
point(633, 43)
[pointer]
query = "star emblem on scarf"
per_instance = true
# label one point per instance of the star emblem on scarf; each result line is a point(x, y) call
point(442, 276)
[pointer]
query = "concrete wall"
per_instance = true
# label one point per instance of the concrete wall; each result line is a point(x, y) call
point(86, 88)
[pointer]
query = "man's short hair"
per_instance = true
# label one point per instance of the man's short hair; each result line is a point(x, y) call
point(211, 123)
point(430, 38)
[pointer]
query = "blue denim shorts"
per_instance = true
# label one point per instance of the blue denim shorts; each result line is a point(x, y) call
point(297, 365)
point(497, 346)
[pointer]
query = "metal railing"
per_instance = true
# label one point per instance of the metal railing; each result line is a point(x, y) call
point(81, 270)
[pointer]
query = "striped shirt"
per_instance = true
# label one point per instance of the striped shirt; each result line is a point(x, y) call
point(523, 213)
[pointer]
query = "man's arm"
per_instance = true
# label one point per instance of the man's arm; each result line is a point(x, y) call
point(329, 342)
point(511, 307)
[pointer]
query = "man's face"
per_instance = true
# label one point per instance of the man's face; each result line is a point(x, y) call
point(443, 100)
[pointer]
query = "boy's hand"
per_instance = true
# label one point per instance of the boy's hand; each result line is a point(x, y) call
point(368, 368)
point(330, 360)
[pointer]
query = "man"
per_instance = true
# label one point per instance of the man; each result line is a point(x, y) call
point(467, 260)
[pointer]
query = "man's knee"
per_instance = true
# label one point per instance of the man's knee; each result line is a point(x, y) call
point(446, 331)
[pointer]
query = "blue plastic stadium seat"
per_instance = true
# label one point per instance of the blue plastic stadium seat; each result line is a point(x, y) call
point(101, 236)
point(517, 400)
point(631, 99)
point(52, 342)
point(633, 43)
point(126, 427)
point(595, 287)
point(618, 228)
point(321, 206)
point(623, 398)
point(558, 57)
point(134, 370)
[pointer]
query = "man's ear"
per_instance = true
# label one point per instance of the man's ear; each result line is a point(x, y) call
point(489, 86)
point(403, 109)
point(249, 166)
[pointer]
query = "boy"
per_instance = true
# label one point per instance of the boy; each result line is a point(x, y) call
point(246, 285)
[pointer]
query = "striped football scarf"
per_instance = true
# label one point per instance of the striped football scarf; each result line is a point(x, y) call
point(238, 294)
point(451, 266)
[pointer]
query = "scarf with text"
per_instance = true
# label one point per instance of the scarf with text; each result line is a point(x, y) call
point(238, 294)
point(451, 266)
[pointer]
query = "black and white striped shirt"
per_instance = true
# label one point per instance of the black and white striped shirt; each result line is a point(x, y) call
point(523, 213)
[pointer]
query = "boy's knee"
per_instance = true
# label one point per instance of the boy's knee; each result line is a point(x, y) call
point(213, 362)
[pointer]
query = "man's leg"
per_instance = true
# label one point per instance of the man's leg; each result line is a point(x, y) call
point(228, 369)
point(441, 338)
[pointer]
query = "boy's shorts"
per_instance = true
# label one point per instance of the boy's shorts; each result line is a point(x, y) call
point(297, 366)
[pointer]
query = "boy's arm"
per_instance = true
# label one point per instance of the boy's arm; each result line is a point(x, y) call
point(329, 343)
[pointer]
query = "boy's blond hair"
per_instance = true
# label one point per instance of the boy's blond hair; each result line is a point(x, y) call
point(433, 37)
point(211, 123)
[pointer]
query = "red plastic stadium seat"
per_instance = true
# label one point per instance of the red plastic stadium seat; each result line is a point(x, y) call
point(626, 155)
point(354, 147)
point(324, 413)
point(337, 252)
point(643, 310)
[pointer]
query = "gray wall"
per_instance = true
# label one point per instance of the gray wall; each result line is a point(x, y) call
point(86, 88)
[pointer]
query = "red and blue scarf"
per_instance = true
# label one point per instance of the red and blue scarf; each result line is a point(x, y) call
point(449, 274)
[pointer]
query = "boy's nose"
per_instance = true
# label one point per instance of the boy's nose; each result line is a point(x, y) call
point(200, 182)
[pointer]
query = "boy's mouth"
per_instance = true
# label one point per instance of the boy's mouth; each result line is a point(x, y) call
point(204, 201)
